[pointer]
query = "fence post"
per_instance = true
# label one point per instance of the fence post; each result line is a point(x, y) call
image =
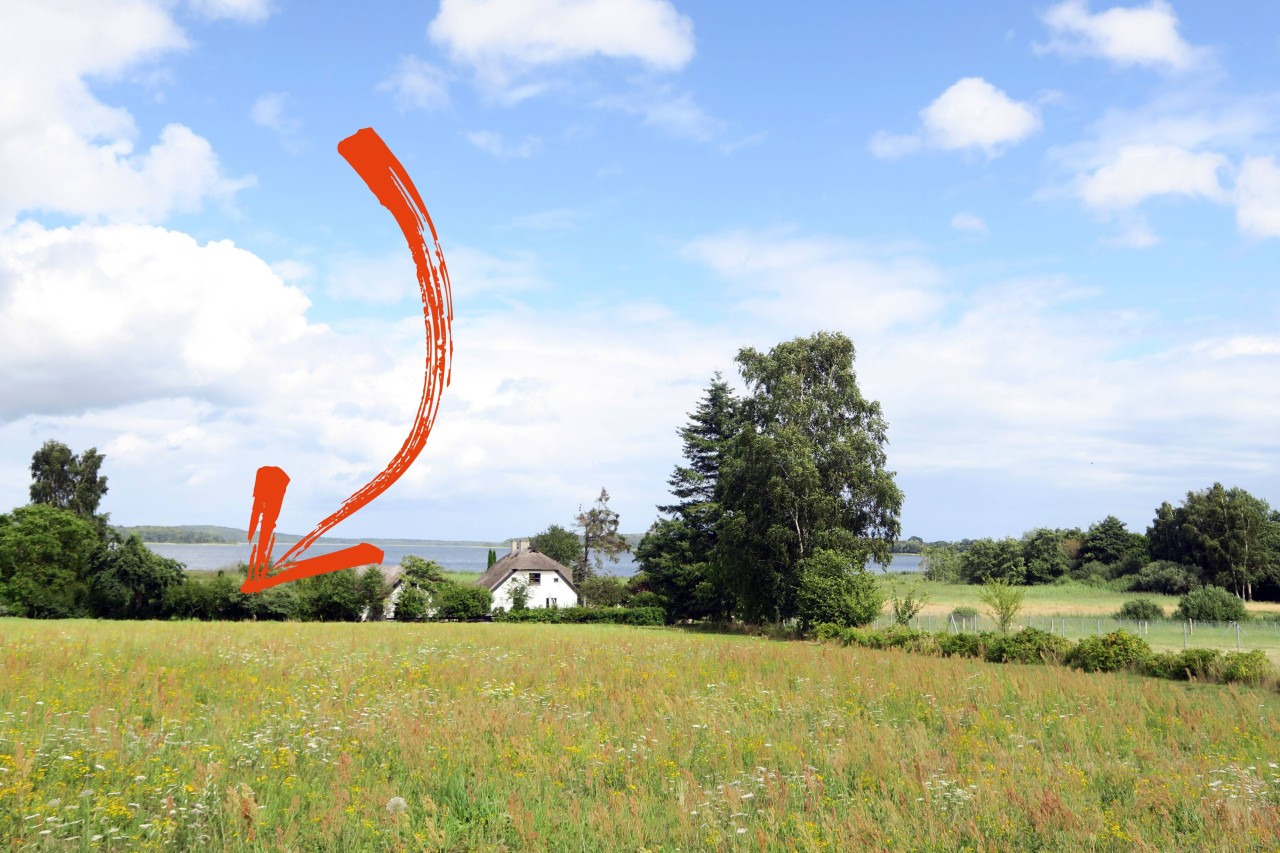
point(1184, 634)
point(1237, 636)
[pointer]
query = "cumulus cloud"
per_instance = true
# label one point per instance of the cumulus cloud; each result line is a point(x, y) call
point(972, 113)
point(416, 84)
point(1142, 36)
point(533, 33)
point(678, 115)
point(64, 151)
point(269, 112)
point(1138, 172)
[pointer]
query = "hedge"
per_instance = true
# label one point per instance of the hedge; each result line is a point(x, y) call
point(579, 615)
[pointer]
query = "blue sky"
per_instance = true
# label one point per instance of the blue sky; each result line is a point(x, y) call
point(1050, 230)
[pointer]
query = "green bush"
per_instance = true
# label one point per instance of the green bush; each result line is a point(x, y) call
point(1165, 577)
point(1200, 664)
point(1211, 604)
point(584, 615)
point(1140, 610)
point(1109, 653)
point(964, 645)
point(964, 612)
point(1247, 668)
point(1030, 645)
point(824, 631)
point(461, 601)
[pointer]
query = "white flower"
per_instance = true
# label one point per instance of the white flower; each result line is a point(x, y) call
point(395, 805)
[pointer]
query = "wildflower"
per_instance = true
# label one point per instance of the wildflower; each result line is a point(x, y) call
point(395, 805)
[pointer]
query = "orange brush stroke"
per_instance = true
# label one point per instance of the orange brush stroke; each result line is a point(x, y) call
point(390, 183)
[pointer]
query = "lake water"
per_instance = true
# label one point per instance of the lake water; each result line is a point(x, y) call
point(455, 558)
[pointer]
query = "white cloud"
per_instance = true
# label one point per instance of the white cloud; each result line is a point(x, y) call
point(796, 283)
point(971, 222)
point(61, 149)
point(244, 11)
point(493, 143)
point(678, 115)
point(1143, 36)
point(268, 111)
point(1257, 197)
point(887, 146)
point(975, 114)
point(416, 84)
point(527, 34)
point(1138, 172)
point(1136, 234)
point(970, 114)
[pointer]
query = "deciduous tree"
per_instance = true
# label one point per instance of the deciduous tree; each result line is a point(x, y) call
point(600, 538)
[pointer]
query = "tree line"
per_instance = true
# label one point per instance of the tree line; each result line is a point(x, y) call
point(1216, 537)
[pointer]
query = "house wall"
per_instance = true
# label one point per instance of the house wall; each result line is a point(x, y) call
point(552, 586)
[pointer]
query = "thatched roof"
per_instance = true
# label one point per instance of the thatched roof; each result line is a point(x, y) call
point(522, 561)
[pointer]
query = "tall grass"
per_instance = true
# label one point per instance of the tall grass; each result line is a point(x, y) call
point(357, 737)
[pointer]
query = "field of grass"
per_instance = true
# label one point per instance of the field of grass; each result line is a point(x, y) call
point(1076, 610)
point(353, 737)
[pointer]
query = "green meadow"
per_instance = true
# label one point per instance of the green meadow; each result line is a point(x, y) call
point(352, 737)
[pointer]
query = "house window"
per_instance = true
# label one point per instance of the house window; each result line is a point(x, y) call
point(535, 578)
point(556, 579)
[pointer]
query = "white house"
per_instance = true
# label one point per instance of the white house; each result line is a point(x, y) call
point(548, 582)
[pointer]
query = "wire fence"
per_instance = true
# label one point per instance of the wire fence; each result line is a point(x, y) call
point(1160, 634)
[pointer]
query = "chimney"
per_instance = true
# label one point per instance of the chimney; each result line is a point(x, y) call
point(515, 546)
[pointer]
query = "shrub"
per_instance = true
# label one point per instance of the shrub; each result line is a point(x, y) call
point(1030, 645)
point(1200, 664)
point(908, 606)
point(1140, 610)
point(1165, 576)
point(1004, 600)
point(965, 645)
point(1092, 573)
point(824, 631)
point(1211, 604)
point(462, 601)
point(834, 588)
point(965, 612)
point(579, 615)
point(1109, 653)
point(1247, 667)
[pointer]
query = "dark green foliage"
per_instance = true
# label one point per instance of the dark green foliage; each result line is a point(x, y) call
point(807, 471)
point(423, 573)
point(1211, 604)
point(411, 604)
point(964, 645)
point(824, 631)
point(67, 480)
point(493, 558)
point(1110, 542)
point(1030, 645)
point(1200, 664)
point(964, 612)
point(331, 597)
point(461, 601)
point(373, 592)
point(1141, 610)
point(45, 561)
point(609, 615)
point(1166, 577)
point(559, 544)
point(1247, 668)
point(602, 591)
point(989, 559)
point(129, 581)
point(1109, 653)
point(679, 554)
point(834, 589)
point(1092, 573)
point(1225, 533)
point(1043, 556)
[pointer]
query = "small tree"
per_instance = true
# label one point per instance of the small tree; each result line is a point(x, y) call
point(519, 595)
point(373, 592)
point(493, 558)
point(907, 607)
point(602, 591)
point(1005, 601)
point(462, 601)
point(941, 563)
point(1211, 604)
point(424, 573)
point(411, 605)
point(1140, 610)
point(600, 536)
point(837, 590)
